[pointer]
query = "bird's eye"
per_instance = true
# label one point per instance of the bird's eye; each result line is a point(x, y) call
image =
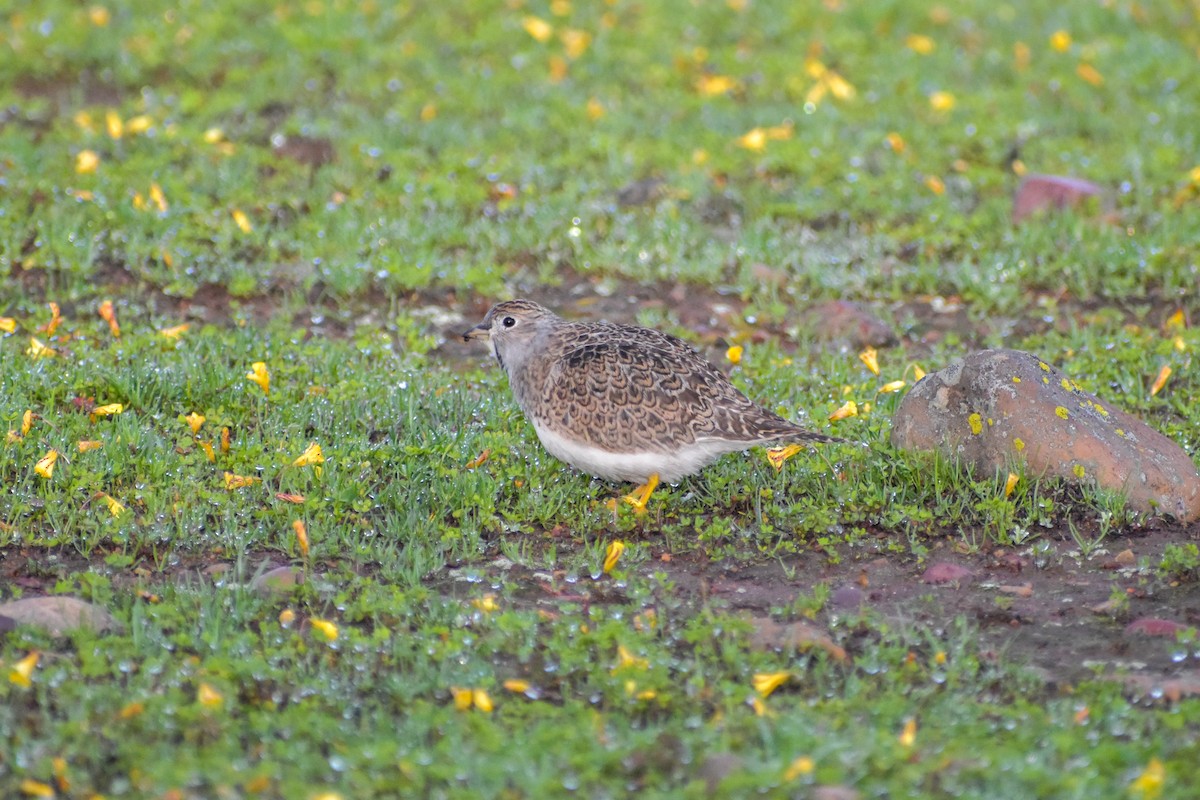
point(509, 322)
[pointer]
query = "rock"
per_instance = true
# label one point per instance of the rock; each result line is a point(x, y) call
point(843, 321)
point(1038, 192)
point(278, 581)
point(771, 635)
point(945, 572)
point(58, 615)
point(1150, 626)
point(997, 407)
point(847, 597)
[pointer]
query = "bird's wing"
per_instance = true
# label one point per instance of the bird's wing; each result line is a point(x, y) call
point(631, 388)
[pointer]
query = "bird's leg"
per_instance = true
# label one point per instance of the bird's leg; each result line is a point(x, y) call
point(778, 455)
point(642, 494)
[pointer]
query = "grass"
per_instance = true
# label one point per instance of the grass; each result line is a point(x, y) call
point(310, 187)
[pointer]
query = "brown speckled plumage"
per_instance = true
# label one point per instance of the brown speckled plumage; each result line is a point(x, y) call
point(623, 402)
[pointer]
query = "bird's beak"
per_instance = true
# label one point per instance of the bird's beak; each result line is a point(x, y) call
point(480, 331)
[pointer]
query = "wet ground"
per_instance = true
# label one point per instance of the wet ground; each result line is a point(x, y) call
point(1066, 614)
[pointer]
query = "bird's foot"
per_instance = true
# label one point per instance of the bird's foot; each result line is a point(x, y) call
point(641, 495)
point(778, 455)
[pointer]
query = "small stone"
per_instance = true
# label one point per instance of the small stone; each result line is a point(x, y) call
point(771, 635)
point(278, 581)
point(1017, 590)
point(59, 614)
point(994, 407)
point(1038, 192)
point(847, 597)
point(1150, 626)
point(1125, 558)
point(844, 321)
point(945, 572)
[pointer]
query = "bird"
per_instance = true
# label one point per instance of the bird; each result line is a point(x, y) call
point(624, 402)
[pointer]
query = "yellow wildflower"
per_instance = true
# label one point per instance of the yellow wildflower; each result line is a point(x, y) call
point(258, 374)
point(109, 315)
point(908, 736)
point(22, 671)
point(801, 766)
point(941, 101)
point(39, 349)
point(871, 358)
point(109, 410)
point(45, 464)
point(1160, 380)
point(538, 28)
point(86, 162)
point(327, 629)
point(194, 421)
point(1011, 483)
point(233, 481)
point(612, 555)
point(301, 537)
point(920, 44)
point(26, 421)
point(848, 409)
point(84, 445)
point(175, 331)
point(767, 682)
point(241, 220)
point(892, 386)
point(8, 324)
point(312, 455)
point(734, 354)
point(209, 697)
point(1149, 784)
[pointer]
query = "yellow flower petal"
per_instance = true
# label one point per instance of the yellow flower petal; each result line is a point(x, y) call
point(871, 358)
point(1018, 445)
point(595, 109)
point(8, 324)
point(258, 374)
point(934, 184)
point(892, 386)
point(1060, 41)
point(139, 124)
point(86, 162)
point(1090, 74)
point(626, 659)
point(214, 136)
point(941, 101)
point(482, 700)
point(767, 682)
point(479, 460)
point(115, 507)
point(158, 198)
point(326, 628)
point(920, 44)
point(1161, 379)
point(896, 142)
point(32, 788)
point(241, 220)
point(918, 373)
point(109, 315)
point(22, 672)
point(575, 42)
point(209, 697)
point(848, 409)
point(312, 455)
point(99, 16)
point(713, 85)
point(194, 421)
point(734, 354)
point(45, 464)
point(301, 536)
point(233, 481)
point(1149, 784)
point(517, 686)
point(1011, 484)
point(754, 139)
point(538, 28)
point(84, 445)
point(38, 349)
point(109, 410)
point(26, 421)
point(612, 555)
point(463, 698)
point(295, 499)
point(487, 604)
point(287, 617)
point(778, 455)
point(208, 451)
point(801, 766)
point(113, 124)
point(175, 331)
point(908, 736)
